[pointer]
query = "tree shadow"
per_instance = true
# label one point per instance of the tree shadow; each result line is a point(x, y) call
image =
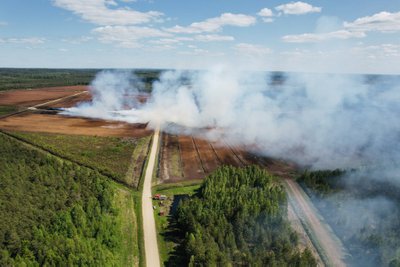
point(175, 235)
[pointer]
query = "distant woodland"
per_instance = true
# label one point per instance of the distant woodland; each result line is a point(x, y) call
point(363, 212)
point(238, 217)
point(37, 78)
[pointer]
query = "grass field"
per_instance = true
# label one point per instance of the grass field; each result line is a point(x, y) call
point(4, 110)
point(128, 226)
point(110, 155)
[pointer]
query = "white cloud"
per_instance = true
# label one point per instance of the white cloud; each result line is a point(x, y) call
point(251, 49)
point(166, 41)
point(3, 23)
point(99, 12)
point(215, 24)
point(268, 20)
point(197, 38)
point(297, 8)
point(319, 37)
point(195, 52)
point(379, 51)
point(30, 41)
point(382, 22)
point(78, 40)
point(385, 22)
point(213, 38)
point(265, 12)
point(127, 36)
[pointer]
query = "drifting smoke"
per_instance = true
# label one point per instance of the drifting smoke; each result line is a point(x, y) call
point(111, 91)
point(316, 120)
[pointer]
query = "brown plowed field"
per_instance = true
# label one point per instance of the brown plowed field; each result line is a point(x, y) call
point(199, 157)
point(226, 155)
point(26, 98)
point(208, 158)
point(31, 122)
point(191, 164)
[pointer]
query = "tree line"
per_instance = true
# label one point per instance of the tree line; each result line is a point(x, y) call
point(363, 209)
point(239, 217)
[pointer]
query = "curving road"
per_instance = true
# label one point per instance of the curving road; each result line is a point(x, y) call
point(149, 224)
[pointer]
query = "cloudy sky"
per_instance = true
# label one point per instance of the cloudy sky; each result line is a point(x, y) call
point(361, 36)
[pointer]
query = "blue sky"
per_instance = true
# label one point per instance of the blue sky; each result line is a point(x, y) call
point(361, 36)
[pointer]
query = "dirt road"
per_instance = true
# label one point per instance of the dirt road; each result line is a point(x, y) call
point(149, 225)
point(58, 99)
point(328, 246)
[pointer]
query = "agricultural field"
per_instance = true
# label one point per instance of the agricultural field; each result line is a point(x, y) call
point(32, 97)
point(4, 110)
point(52, 123)
point(186, 158)
point(120, 158)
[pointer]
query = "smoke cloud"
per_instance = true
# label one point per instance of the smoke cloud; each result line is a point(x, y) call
point(317, 120)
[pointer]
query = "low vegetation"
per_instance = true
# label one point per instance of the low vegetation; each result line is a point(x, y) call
point(237, 217)
point(54, 212)
point(4, 110)
point(164, 223)
point(364, 212)
point(37, 78)
point(111, 156)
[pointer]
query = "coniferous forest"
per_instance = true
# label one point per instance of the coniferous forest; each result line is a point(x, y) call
point(239, 217)
point(363, 212)
point(53, 212)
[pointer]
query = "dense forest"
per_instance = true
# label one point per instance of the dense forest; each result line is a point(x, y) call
point(363, 208)
point(53, 212)
point(238, 217)
point(36, 78)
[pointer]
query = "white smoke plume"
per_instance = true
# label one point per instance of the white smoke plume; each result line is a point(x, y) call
point(318, 120)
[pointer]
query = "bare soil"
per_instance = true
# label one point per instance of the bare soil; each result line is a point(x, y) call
point(31, 97)
point(191, 163)
point(208, 158)
point(32, 122)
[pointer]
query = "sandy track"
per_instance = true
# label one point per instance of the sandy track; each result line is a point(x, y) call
point(332, 250)
point(59, 99)
point(149, 224)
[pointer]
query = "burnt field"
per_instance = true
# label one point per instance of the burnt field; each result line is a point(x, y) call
point(27, 98)
point(45, 118)
point(186, 157)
